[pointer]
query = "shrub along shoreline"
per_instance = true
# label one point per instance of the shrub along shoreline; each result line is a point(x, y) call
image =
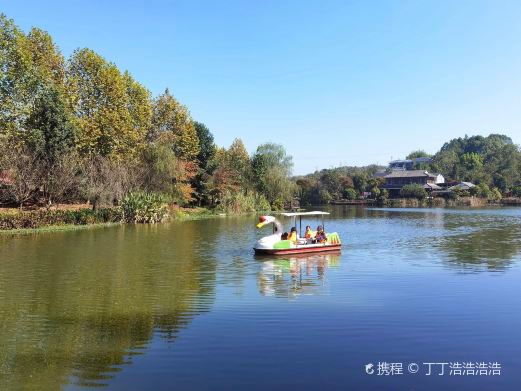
point(27, 222)
point(56, 220)
point(37, 219)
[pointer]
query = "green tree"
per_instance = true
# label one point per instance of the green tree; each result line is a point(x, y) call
point(51, 135)
point(481, 190)
point(413, 191)
point(375, 192)
point(334, 182)
point(47, 60)
point(496, 194)
point(205, 156)
point(324, 197)
point(350, 194)
point(51, 131)
point(494, 160)
point(206, 144)
point(172, 118)
point(360, 182)
point(239, 164)
point(231, 171)
point(139, 106)
point(18, 79)
point(472, 161)
point(516, 191)
point(100, 100)
point(271, 170)
point(417, 154)
point(384, 196)
point(307, 189)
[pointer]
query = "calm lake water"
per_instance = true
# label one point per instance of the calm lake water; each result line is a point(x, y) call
point(187, 306)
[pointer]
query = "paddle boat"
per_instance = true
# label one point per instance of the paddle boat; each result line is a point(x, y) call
point(274, 245)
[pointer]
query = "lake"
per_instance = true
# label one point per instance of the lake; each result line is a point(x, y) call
point(187, 306)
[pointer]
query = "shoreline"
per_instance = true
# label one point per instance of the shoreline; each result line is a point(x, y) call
point(174, 216)
point(55, 228)
point(472, 202)
point(192, 214)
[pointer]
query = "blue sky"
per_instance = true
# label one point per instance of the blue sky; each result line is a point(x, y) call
point(335, 82)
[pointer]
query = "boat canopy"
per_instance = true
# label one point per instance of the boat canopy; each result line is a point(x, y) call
point(315, 213)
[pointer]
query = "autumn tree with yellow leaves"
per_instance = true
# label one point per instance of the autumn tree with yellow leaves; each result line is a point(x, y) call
point(88, 131)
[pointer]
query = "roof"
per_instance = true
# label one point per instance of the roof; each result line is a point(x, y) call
point(315, 213)
point(401, 161)
point(463, 185)
point(410, 174)
point(380, 174)
point(432, 186)
point(423, 159)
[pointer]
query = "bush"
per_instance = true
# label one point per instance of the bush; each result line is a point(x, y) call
point(375, 193)
point(43, 218)
point(384, 195)
point(496, 194)
point(481, 190)
point(516, 191)
point(458, 193)
point(241, 203)
point(324, 196)
point(413, 191)
point(146, 208)
point(350, 194)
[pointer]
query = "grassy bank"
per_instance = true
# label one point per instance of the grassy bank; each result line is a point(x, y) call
point(186, 214)
point(34, 219)
point(439, 202)
point(53, 228)
point(14, 221)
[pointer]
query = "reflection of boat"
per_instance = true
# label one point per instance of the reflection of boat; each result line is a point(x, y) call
point(274, 245)
point(290, 277)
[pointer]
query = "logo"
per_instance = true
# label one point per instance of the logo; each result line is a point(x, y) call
point(369, 368)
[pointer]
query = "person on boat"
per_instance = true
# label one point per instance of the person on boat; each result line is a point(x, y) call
point(309, 233)
point(284, 236)
point(320, 237)
point(293, 235)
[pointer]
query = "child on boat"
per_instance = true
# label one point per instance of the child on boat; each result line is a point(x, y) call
point(293, 235)
point(320, 237)
point(309, 233)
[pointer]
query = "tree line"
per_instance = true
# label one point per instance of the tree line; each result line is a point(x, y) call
point(493, 163)
point(79, 129)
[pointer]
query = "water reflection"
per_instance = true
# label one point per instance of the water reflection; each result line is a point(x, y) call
point(85, 306)
point(491, 248)
point(294, 276)
point(79, 306)
point(466, 239)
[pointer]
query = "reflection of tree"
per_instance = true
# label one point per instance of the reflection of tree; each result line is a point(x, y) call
point(493, 247)
point(290, 277)
point(78, 305)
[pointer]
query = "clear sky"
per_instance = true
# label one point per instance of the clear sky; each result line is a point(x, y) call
point(335, 82)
